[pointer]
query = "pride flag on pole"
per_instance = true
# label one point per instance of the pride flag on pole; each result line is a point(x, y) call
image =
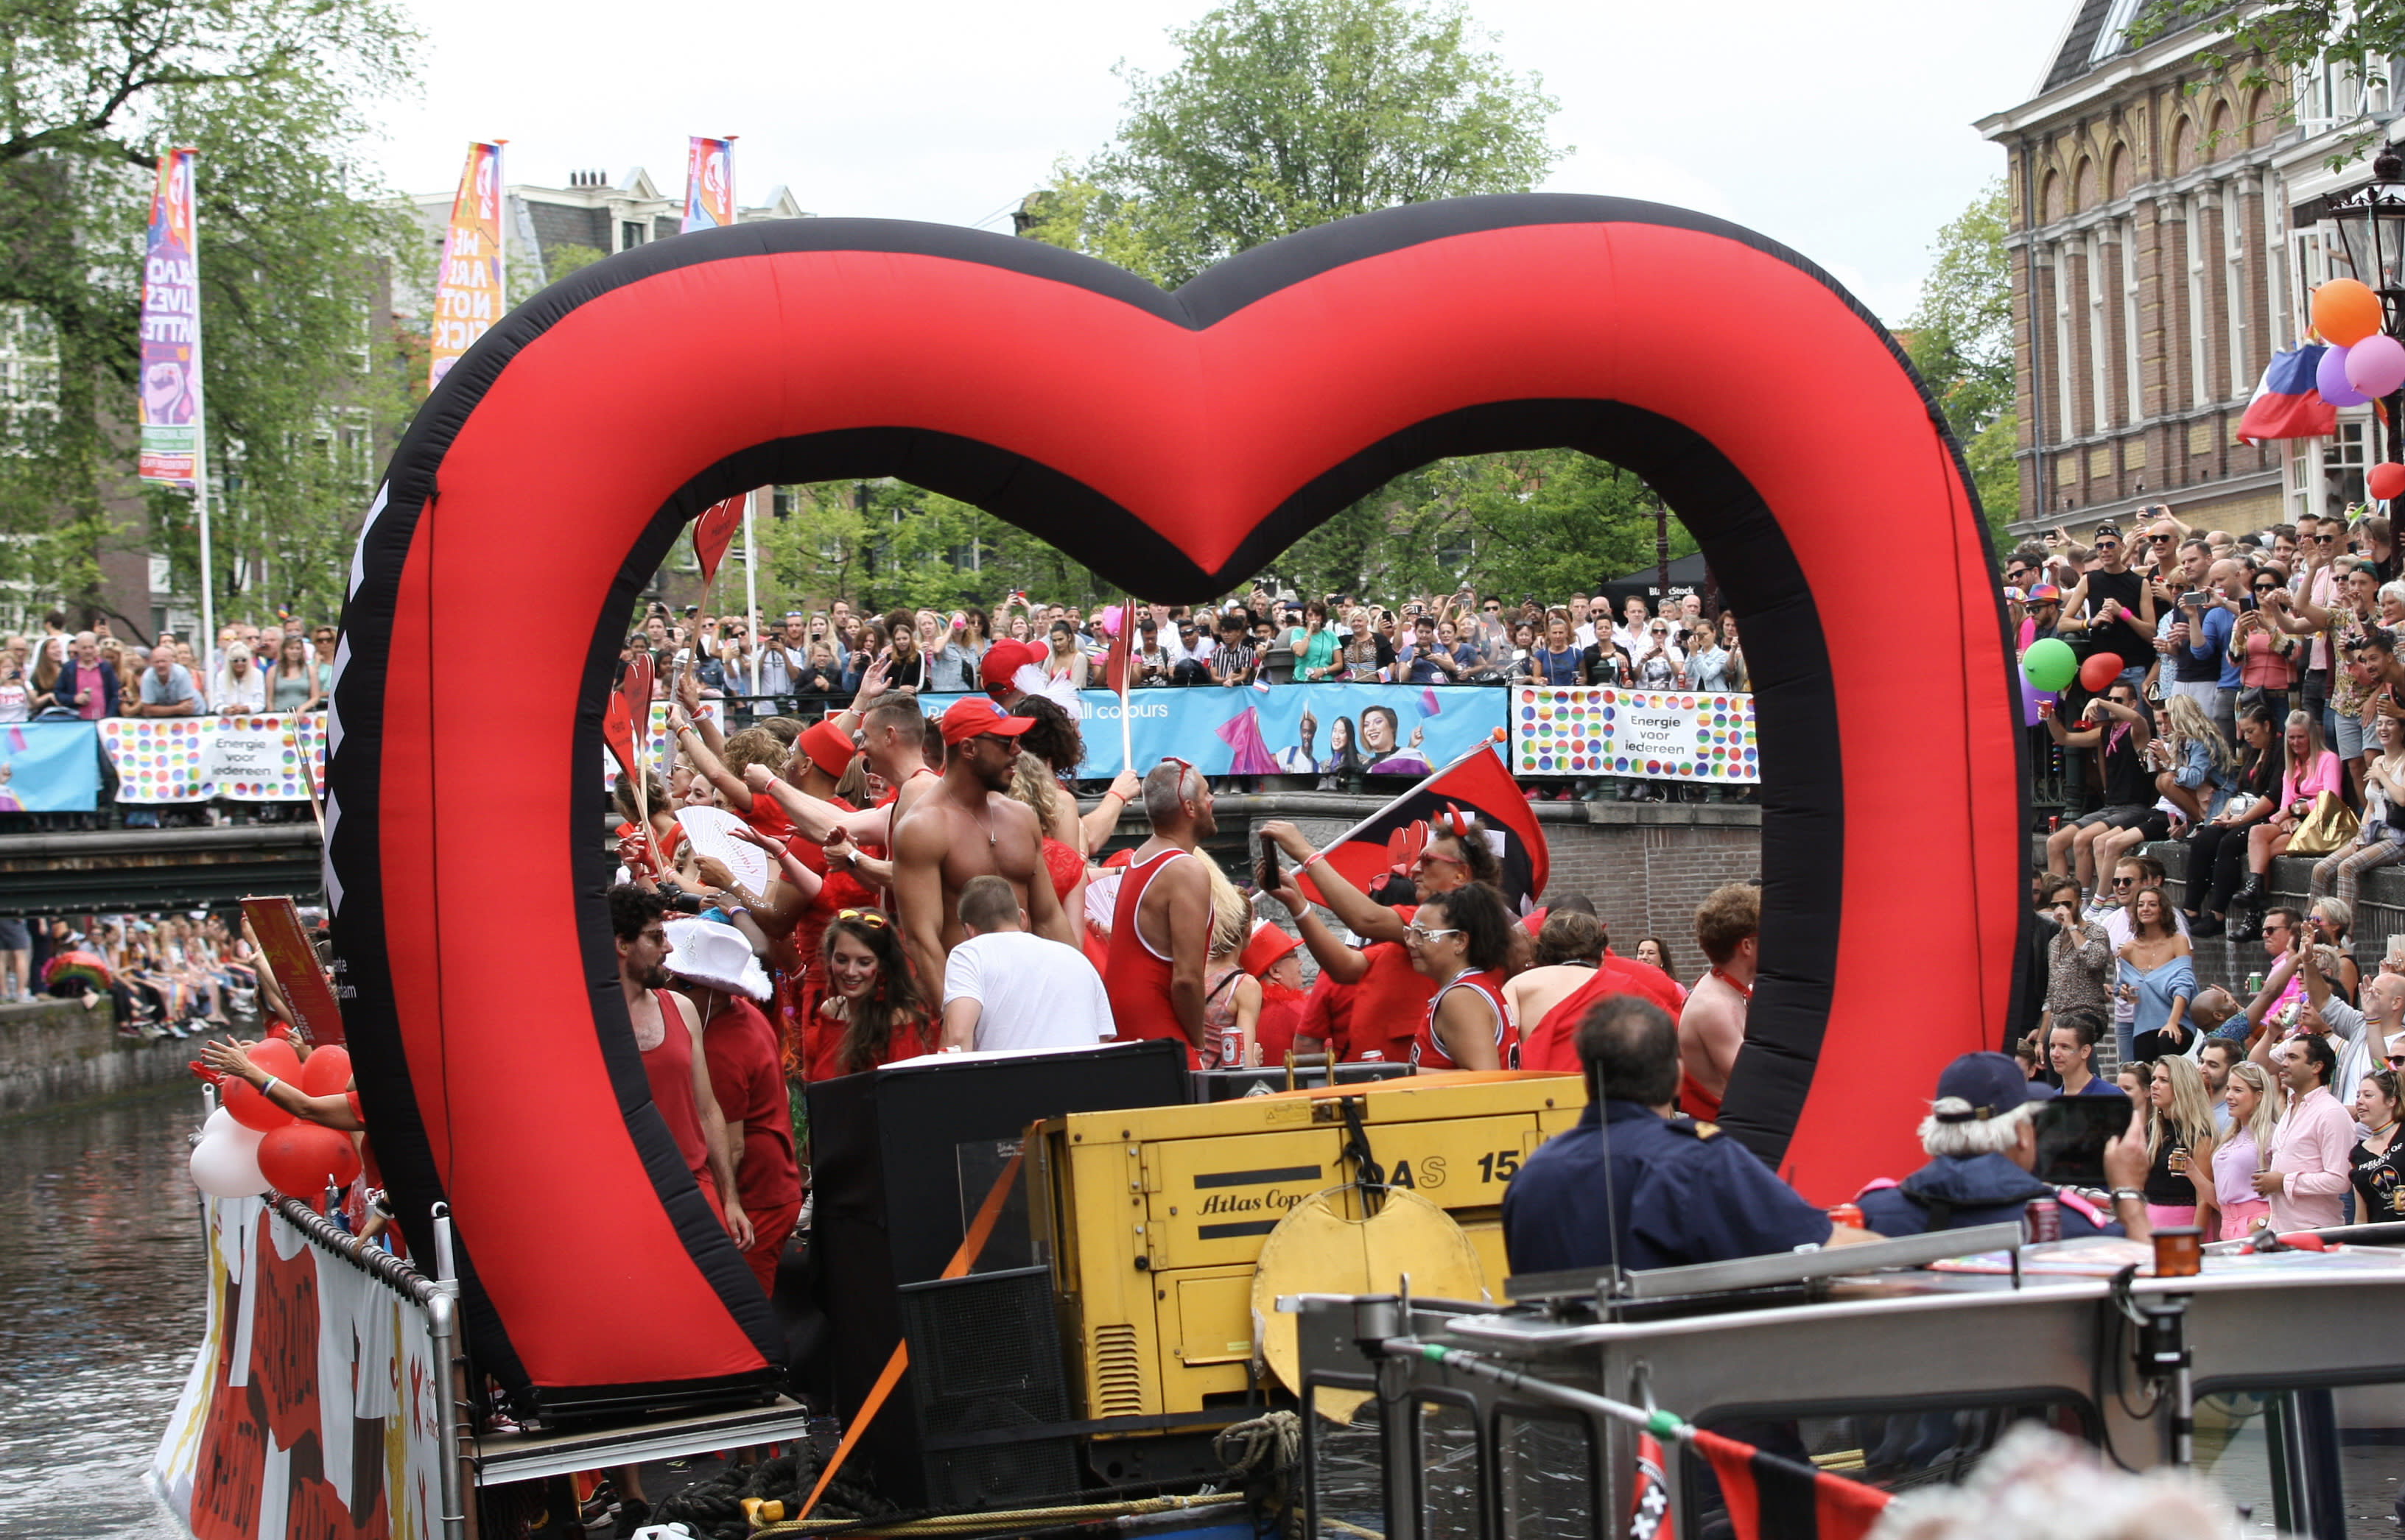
point(170, 330)
point(708, 184)
point(469, 290)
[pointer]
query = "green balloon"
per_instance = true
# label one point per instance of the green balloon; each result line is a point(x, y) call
point(2050, 664)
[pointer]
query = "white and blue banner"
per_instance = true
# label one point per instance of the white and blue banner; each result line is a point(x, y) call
point(1289, 729)
point(50, 767)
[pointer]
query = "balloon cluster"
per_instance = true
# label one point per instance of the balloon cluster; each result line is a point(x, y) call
point(2049, 667)
point(249, 1144)
point(2363, 362)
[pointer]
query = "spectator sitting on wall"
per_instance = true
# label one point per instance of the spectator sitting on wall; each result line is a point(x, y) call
point(2312, 770)
point(2116, 725)
point(2381, 839)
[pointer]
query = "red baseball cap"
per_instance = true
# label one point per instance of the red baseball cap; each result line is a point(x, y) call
point(828, 746)
point(974, 715)
point(1003, 660)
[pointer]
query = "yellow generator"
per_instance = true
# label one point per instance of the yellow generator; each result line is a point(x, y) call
point(1152, 1219)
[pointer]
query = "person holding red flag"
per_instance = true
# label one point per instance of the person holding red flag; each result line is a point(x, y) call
point(1390, 1000)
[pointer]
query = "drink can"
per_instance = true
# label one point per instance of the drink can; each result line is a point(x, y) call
point(2053, 822)
point(1373, 1056)
point(1847, 1213)
point(2254, 986)
point(2043, 1221)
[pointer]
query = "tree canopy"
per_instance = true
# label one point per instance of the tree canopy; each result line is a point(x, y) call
point(299, 389)
point(1962, 340)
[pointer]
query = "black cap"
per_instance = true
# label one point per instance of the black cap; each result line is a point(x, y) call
point(1992, 1085)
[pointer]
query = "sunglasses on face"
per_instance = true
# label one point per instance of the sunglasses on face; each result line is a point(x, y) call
point(2108, 545)
point(2120, 882)
point(1425, 934)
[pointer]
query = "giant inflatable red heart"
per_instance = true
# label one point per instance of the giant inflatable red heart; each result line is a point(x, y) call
point(1174, 442)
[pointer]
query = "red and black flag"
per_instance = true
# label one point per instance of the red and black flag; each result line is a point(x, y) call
point(1476, 790)
point(1771, 1498)
point(1649, 1507)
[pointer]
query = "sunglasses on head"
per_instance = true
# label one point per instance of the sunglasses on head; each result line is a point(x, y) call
point(874, 918)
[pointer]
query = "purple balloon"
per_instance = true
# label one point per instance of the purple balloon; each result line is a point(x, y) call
point(2329, 378)
point(2031, 696)
point(2376, 365)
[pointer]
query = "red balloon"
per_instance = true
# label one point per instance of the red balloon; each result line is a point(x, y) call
point(2385, 481)
point(300, 1159)
point(244, 1103)
point(2099, 672)
point(277, 1057)
point(328, 1071)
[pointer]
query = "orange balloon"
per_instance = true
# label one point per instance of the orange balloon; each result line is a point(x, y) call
point(2346, 312)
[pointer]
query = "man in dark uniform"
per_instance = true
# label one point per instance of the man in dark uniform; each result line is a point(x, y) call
point(1981, 1137)
point(1681, 1191)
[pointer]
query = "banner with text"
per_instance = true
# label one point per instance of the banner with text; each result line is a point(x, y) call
point(1654, 735)
point(169, 403)
point(50, 767)
point(1289, 729)
point(201, 758)
point(470, 290)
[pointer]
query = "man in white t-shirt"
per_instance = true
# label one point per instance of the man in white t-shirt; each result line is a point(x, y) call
point(1007, 987)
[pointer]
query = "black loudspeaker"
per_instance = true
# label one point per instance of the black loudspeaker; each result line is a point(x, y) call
point(985, 1365)
point(894, 1156)
point(1223, 1085)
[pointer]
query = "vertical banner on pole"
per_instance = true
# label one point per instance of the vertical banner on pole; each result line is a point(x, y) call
point(171, 332)
point(468, 292)
point(708, 184)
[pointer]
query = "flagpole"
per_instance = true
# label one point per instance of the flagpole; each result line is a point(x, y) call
point(208, 637)
point(751, 597)
point(1127, 665)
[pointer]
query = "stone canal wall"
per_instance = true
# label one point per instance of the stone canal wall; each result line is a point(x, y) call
point(53, 1053)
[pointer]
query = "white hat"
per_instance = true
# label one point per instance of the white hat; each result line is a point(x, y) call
point(705, 952)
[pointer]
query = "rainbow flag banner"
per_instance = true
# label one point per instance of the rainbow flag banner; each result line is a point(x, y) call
point(470, 290)
point(170, 399)
point(204, 759)
point(708, 184)
point(1652, 735)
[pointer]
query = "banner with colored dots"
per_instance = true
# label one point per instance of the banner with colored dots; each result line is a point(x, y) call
point(204, 759)
point(1651, 734)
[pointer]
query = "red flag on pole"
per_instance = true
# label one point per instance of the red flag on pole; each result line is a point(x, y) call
point(1115, 662)
point(1476, 786)
point(631, 700)
point(618, 733)
point(713, 532)
point(1649, 1507)
point(1770, 1498)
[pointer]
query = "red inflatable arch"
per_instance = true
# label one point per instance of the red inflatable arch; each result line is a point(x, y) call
point(1176, 441)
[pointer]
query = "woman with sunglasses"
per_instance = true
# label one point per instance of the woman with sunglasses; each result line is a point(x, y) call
point(874, 1013)
point(1460, 941)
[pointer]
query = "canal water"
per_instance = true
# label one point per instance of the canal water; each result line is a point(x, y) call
point(102, 1305)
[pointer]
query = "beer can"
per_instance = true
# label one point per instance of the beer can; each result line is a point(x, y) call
point(1373, 1056)
point(2053, 822)
point(1847, 1213)
point(2042, 1221)
point(2254, 986)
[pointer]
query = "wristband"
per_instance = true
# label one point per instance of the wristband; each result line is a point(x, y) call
point(266, 1085)
point(1316, 854)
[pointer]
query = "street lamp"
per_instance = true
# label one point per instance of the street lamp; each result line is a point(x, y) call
point(2371, 226)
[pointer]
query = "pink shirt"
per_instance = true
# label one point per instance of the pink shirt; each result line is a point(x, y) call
point(2310, 1151)
point(2322, 776)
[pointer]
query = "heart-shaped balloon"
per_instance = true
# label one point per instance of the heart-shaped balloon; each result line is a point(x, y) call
point(1176, 443)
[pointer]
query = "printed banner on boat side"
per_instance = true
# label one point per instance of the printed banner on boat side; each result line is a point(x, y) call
point(1287, 729)
point(1652, 735)
point(202, 759)
point(310, 1408)
point(49, 767)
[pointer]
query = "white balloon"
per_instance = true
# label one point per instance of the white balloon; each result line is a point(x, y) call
point(225, 1163)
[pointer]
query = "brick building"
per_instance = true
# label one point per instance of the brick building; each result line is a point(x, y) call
point(2167, 231)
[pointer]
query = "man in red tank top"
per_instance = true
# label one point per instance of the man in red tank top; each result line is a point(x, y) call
point(668, 1033)
point(1390, 998)
point(1160, 929)
point(1712, 1028)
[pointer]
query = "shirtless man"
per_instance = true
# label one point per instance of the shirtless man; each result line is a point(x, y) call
point(1569, 950)
point(1161, 933)
point(893, 735)
point(966, 825)
point(1712, 1028)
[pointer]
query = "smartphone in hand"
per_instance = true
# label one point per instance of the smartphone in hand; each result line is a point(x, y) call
point(1267, 874)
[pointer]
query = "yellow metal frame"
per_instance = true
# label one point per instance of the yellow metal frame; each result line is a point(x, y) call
point(1152, 1218)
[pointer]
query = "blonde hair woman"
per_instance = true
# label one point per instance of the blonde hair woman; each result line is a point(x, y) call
point(2199, 764)
point(2179, 1145)
point(2246, 1149)
point(1231, 998)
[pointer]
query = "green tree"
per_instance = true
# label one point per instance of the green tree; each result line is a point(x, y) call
point(1284, 114)
point(302, 394)
point(2267, 44)
point(1960, 339)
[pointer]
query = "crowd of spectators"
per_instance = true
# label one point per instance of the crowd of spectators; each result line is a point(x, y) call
point(61, 676)
point(173, 974)
point(806, 656)
point(2255, 710)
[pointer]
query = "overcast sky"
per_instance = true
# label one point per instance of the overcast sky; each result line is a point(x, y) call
point(1841, 129)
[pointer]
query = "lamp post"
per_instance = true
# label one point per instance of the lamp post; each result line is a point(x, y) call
point(2371, 226)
